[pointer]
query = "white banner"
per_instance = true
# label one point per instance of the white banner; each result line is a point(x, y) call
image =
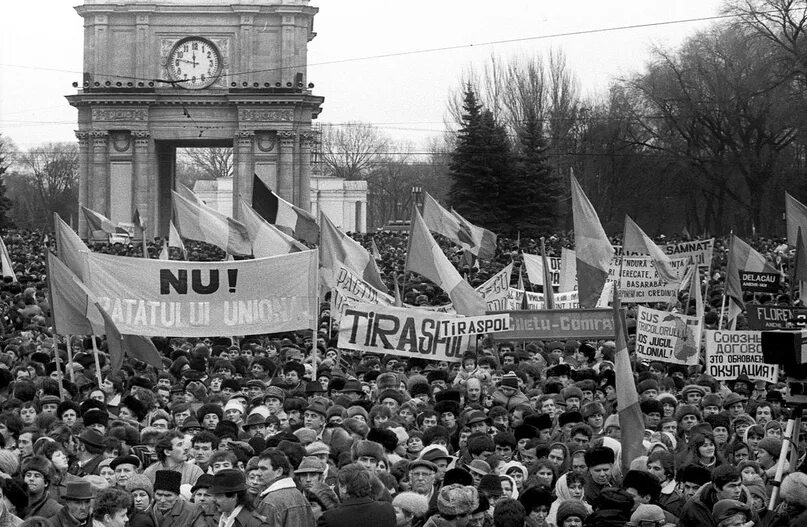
point(568, 270)
point(494, 291)
point(515, 299)
point(349, 287)
point(640, 282)
point(700, 251)
point(399, 331)
point(475, 325)
point(732, 353)
point(667, 337)
point(198, 299)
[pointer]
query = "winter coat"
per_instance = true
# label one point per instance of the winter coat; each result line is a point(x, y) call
point(182, 513)
point(359, 511)
point(285, 506)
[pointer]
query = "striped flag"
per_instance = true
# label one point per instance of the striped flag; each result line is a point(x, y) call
point(267, 240)
point(174, 240)
point(99, 222)
point(796, 214)
point(742, 257)
point(5, 261)
point(199, 222)
point(336, 247)
point(287, 217)
point(73, 313)
point(70, 248)
point(135, 346)
point(635, 241)
point(426, 258)
point(630, 415)
point(593, 249)
point(481, 242)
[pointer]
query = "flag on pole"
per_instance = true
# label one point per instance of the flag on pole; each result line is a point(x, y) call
point(481, 242)
point(267, 240)
point(164, 254)
point(426, 258)
point(398, 300)
point(73, 313)
point(742, 257)
point(549, 293)
point(520, 284)
point(5, 261)
point(796, 215)
point(374, 250)
point(630, 415)
point(593, 249)
point(525, 304)
point(175, 240)
point(138, 221)
point(200, 222)
point(336, 247)
point(188, 194)
point(287, 217)
point(70, 248)
point(635, 241)
point(99, 222)
point(135, 346)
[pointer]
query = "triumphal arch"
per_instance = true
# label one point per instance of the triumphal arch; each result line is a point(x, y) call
point(163, 74)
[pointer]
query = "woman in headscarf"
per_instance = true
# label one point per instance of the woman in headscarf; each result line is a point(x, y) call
point(568, 487)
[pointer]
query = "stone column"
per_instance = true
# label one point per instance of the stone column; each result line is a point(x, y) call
point(304, 180)
point(285, 178)
point(140, 190)
point(83, 137)
point(243, 170)
point(99, 172)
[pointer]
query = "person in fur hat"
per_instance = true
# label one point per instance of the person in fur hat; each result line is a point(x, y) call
point(455, 503)
point(37, 473)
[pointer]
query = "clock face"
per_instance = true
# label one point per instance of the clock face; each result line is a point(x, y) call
point(195, 63)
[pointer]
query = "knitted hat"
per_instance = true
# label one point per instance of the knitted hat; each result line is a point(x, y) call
point(234, 404)
point(794, 488)
point(725, 509)
point(412, 502)
point(167, 480)
point(9, 463)
point(454, 500)
point(646, 512)
point(510, 380)
point(140, 482)
point(317, 447)
point(771, 445)
point(569, 508)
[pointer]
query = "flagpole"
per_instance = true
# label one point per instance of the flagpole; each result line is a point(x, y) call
point(59, 374)
point(97, 361)
point(316, 317)
point(70, 357)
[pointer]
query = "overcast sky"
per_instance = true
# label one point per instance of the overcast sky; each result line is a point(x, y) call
point(404, 95)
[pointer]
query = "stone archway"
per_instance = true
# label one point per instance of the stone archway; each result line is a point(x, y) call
point(134, 110)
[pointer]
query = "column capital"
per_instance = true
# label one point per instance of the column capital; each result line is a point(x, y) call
point(286, 138)
point(307, 139)
point(99, 137)
point(83, 137)
point(141, 137)
point(245, 137)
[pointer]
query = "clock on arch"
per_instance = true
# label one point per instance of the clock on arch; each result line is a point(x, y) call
point(195, 63)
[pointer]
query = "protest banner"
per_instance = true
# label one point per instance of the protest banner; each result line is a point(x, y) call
point(495, 290)
point(399, 331)
point(567, 300)
point(350, 287)
point(515, 299)
point(197, 299)
point(667, 337)
point(535, 269)
point(560, 324)
point(699, 250)
point(775, 317)
point(759, 282)
point(639, 282)
point(730, 354)
point(464, 326)
point(568, 270)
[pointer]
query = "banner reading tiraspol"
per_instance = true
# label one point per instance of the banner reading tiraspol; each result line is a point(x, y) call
point(775, 317)
point(667, 337)
point(412, 332)
point(732, 353)
point(197, 299)
point(561, 324)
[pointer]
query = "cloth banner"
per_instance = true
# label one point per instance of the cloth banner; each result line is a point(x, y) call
point(640, 281)
point(197, 299)
point(349, 287)
point(535, 269)
point(729, 354)
point(568, 270)
point(775, 317)
point(561, 324)
point(667, 337)
point(399, 331)
point(700, 250)
point(752, 282)
point(496, 289)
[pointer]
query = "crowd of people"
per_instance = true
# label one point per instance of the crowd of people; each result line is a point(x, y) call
point(242, 433)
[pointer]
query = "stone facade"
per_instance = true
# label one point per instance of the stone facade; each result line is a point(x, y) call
point(344, 202)
point(133, 111)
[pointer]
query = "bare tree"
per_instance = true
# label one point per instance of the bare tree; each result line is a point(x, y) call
point(350, 150)
point(52, 170)
point(210, 162)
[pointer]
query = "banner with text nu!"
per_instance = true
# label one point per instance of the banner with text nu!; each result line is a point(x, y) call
point(667, 337)
point(730, 354)
point(198, 299)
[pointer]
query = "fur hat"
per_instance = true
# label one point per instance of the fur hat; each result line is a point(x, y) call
point(647, 384)
point(355, 426)
point(454, 500)
point(168, 480)
point(412, 502)
point(599, 455)
point(649, 406)
point(718, 420)
point(140, 482)
point(389, 393)
point(687, 409)
point(569, 508)
point(572, 416)
point(135, 406)
point(38, 464)
point(794, 488)
point(384, 437)
point(369, 449)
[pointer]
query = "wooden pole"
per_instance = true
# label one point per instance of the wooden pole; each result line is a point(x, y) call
point(97, 361)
